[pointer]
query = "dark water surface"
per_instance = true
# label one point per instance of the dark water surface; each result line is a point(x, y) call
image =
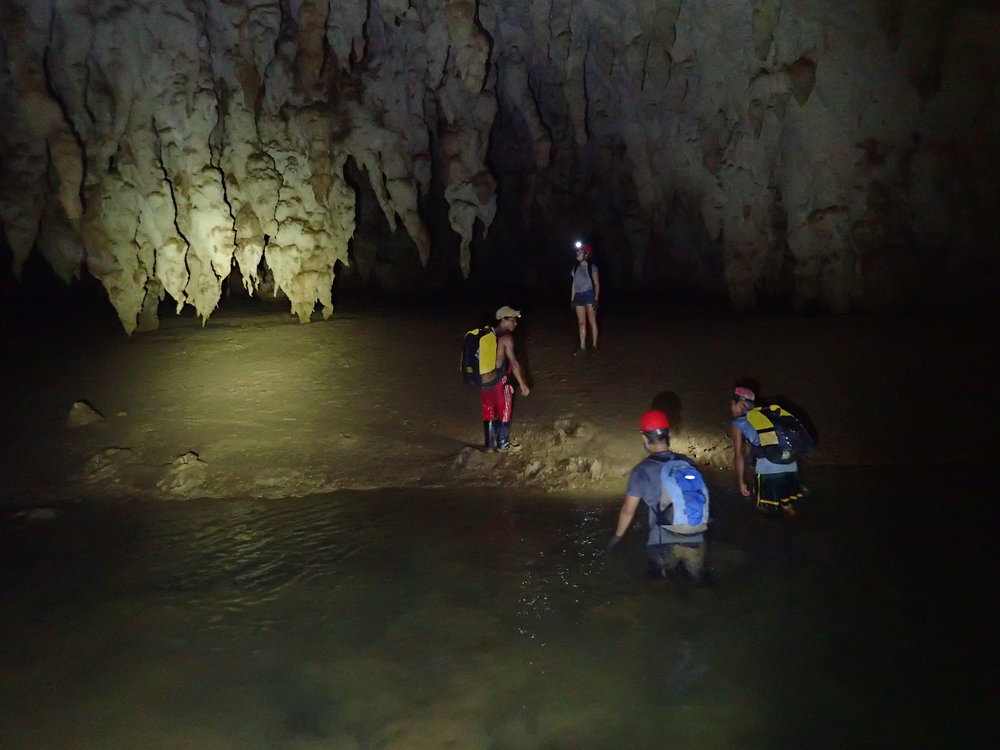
point(486, 619)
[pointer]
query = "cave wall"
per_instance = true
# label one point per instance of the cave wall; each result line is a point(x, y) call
point(834, 153)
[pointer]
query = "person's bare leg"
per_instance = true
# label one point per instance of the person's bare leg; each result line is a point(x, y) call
point(581, 322)
point(592, 317)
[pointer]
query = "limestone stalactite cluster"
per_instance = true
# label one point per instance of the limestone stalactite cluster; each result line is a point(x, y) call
point(164, 141)
point(817, 147)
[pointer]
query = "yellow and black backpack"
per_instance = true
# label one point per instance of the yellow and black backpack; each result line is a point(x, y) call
point(782, 437)
point(479, 357)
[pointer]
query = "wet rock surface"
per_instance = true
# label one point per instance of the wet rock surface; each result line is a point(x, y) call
point(255, 406)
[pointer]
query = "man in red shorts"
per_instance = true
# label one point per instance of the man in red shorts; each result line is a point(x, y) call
point(497, 398)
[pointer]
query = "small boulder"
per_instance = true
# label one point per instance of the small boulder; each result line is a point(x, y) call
point(185, 476)
point(81, 414)
point(532, 469)
point(596, 469)
point(108, 463)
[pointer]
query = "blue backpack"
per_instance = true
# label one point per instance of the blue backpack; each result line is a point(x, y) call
point(683, 506)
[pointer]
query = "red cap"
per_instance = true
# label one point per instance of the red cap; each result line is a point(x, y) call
point(654, 419)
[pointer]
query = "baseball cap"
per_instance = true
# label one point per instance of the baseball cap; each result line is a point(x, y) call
point(744, 394)
point(508, 312)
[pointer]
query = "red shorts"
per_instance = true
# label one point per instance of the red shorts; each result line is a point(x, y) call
point(498, 401)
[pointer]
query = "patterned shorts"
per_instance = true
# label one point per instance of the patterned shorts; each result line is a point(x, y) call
point(775, 492)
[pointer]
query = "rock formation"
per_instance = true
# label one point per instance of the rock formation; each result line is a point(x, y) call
point(832, 153)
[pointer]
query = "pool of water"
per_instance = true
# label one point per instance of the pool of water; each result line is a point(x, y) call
point(490, 619)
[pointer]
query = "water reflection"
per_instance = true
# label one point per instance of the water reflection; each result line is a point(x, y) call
point(412, 619)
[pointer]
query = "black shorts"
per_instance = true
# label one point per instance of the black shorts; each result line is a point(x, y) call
point(776, 491)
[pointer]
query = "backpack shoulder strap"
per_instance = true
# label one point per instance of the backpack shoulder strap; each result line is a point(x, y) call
point(759, 419)
point(663, 459)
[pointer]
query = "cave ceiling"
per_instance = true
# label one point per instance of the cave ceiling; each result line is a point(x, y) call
point(834, 152)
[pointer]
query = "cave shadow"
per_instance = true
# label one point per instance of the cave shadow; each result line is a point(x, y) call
point(670, 404)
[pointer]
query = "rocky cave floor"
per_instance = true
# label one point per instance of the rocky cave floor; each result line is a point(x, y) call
point(256, 405)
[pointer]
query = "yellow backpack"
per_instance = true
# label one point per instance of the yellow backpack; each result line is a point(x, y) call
point(479, 357)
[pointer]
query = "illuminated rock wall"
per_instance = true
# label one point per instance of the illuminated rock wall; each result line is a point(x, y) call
point(832, 152)
point(162, 141)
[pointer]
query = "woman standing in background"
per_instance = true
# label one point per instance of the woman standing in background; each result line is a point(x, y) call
point(583, 295)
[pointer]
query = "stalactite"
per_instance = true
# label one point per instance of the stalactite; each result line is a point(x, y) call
point(159, 145)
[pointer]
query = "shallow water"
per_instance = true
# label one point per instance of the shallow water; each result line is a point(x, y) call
point(486, 619)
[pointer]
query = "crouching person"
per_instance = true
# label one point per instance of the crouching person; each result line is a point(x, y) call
point(775, 439)
point(677, 500)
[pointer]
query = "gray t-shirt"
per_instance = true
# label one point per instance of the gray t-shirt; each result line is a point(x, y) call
point(582, 281)
point(644, 483)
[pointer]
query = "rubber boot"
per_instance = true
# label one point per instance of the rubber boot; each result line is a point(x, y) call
point(489, 435)
point(504, 443)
